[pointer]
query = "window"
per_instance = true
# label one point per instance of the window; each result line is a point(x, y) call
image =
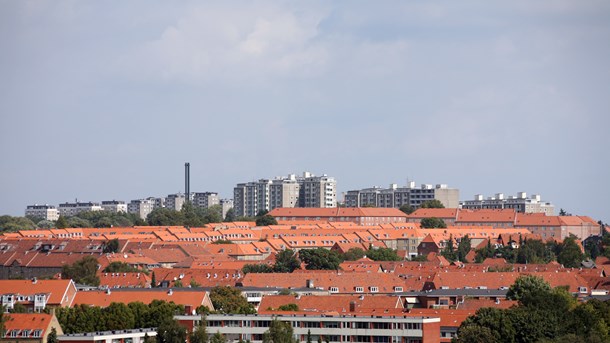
point(25, 333)
point(14, 333)
point(359, 289)
point(334, 289)
point(374, 289)
point(397, 289)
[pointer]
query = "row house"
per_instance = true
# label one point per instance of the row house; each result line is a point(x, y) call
point(29, 327)
point(37, 295)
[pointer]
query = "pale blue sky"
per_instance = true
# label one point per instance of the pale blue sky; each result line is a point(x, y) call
point(104, 100)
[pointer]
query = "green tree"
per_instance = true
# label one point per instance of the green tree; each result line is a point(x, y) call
point(463, 248)
point(19, 308)
point(382, 254)
point(218, 338)
point(354, 254)
point(432, 223)
point(82, 271)
point(257, 268)
point(52, 337)
point(320, 259)
point(279, 332)
point(118, 316)
point(265, 220)
point(229, 300)
point(286, 262)
point(449, 251)
point(112, 246)
point(120, 267)
point(407, 209)
point(200, 333)
point(61, 222)
point(432, 204)
point(475, 334)
point(526, 286)
point(164, 217)
point(45, 224)
point(170, 331)
point(230, 216)
point(12, 224)
point(153, 280)
point(570, 256)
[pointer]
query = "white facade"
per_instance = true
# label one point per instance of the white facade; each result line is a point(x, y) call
point(72, 209)
point(520, 203)
point(141, 207)
point(47, 212)
point(226, 205)
point(175, 201)
point(205, 199)
point(114, 206)
point(396, 197)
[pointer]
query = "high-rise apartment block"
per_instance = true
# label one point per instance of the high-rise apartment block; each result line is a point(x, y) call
point(292, 191)
point(141, 207)
point(47, 212)
point(520, 203)
point(175, 201)
point(115, 206)
point(226, 205)
point(205, 199)
point(395, 196)
point(71, 209)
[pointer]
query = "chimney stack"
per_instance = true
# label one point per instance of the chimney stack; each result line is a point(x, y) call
point(187, 181)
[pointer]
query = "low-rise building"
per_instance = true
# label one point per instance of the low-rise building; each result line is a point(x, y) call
point(360, 215)
point(114, 336)
point(29, 327)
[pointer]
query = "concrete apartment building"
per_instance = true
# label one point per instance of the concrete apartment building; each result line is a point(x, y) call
point(175, 201)
point(293, 191)
point(340, 327)
point(47, 212)
point(226, 205)
point(396, 197)
point(114, 206)
point(205, 199)
point(141, 207)
point(520, 203)
point(71, 209)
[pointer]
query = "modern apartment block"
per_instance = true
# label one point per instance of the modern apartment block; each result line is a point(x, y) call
point(292, 191)
point(115, 206)
point(318, 191)
point(395, 196)
point(205, 199)
point(520, 203)
point(71, 209)
point(141, 207)
point(226, 205)
point(47, 212)
point(175, 201)
point(341, 327)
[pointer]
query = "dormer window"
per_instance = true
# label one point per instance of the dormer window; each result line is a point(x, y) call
point(397, 289)
point(359, 289)
point(14, 333)
point(374, 289)
point(37, 333)
point(582, 290)
point(25, 333)
point(334, 289)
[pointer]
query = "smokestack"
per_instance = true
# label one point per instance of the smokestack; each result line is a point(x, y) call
point(187, 181)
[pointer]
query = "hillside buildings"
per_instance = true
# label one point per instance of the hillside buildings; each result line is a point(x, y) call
point(396, 197)
point(520, 203)
point(47, 212)
point(71, 209)
point(292, 191)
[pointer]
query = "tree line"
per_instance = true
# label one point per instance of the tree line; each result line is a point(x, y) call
point(543, 315)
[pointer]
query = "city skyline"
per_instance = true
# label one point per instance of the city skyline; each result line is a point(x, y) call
point(101, 102)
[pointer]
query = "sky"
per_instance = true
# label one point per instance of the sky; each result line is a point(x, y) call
point(103, 100)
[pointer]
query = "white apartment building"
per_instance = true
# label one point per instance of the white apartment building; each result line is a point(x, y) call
point(141, 207)
point(114, 206)
point(71, 209)
point(226, 205)
point(175, 201)
point(520, 203)
point(205, 199)
point(292, 191)
point(47, 212)
point(396, 197)
point(341, 327)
